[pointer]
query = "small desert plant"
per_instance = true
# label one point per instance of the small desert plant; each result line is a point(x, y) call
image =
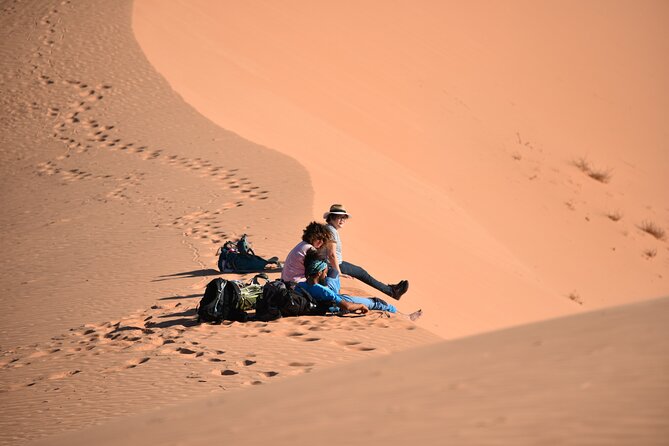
point(603, 176)
point(582, 164)
point(650, 253)
point(614, 216)
point(575, 297)
point(652, 229)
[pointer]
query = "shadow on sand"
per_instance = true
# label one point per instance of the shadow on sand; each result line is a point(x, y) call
point(190, 296)
point(185, 318)
point(213, 272)
point(188, 274)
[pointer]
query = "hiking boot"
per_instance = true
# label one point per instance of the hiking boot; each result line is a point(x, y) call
point(399, 289)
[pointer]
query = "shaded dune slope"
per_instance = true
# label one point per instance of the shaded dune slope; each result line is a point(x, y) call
point(110, 181)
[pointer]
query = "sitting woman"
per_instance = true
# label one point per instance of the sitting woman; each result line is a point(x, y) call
point(314, 236)
point(326, 289)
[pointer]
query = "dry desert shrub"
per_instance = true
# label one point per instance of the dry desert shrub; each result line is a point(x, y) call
point(652, 229)
point(614, 216)
point(650, 253)
point(601, 175)
point(582, 164)
point(575, 297)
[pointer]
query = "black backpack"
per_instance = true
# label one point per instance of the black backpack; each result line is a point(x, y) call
point(281, 299)
point(222, 300)
point(239, 257)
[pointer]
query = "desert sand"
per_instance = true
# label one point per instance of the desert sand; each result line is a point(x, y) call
point(612, 389)
point(508, 159)
point(462, 124)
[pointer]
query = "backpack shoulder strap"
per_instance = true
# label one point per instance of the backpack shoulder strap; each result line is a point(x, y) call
point(303, 291)
point(243, 245)
point(256, 279)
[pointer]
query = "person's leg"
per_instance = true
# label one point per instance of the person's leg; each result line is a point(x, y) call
point(332, 281)
point(373, 303)
point(363, 276)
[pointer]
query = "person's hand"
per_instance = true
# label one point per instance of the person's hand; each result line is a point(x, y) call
point(358, 308)
point(345, 276)
point(363, 309)
point(353, 307)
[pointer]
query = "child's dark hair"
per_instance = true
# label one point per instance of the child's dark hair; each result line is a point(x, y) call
point(310, 257)
point(316, 231)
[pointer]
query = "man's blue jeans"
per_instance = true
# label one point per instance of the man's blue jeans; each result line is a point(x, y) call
point(371, 302)
point(332, 282)
point(363, 276)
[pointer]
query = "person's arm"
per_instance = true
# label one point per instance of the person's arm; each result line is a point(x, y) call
point(332, 259)
point(320, 292)
point(332, 256)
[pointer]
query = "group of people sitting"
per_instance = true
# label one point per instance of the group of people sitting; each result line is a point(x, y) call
point(316, 265)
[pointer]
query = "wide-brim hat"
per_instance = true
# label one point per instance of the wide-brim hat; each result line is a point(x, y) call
point(336, 209)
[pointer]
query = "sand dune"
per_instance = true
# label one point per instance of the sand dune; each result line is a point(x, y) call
point(116, 195)
point(111, 181)
point(160, 356)
point(460, 122)
point(505, 159)
point(596, 378)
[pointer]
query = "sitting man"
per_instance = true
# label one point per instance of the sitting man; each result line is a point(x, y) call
point(326, 288)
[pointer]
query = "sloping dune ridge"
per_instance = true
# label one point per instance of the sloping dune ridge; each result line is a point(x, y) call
point(508, 158)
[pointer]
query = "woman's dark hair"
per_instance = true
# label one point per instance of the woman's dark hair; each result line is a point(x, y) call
point(310, 257)
point(316, 231)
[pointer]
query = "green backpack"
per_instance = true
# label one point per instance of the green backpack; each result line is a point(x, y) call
point(230, 300)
